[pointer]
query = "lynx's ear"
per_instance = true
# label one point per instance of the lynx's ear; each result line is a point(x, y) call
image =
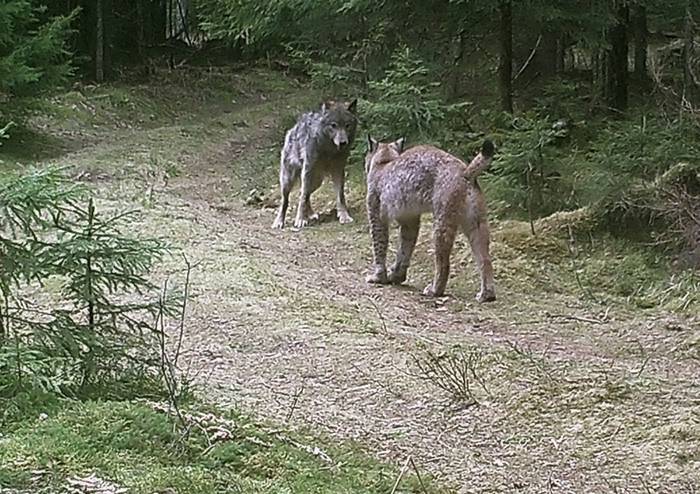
point(372, 144)
point(398, 145)
point(352, 106)
point(487, 149)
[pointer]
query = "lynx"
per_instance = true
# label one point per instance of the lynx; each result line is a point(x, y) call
point(403, 185)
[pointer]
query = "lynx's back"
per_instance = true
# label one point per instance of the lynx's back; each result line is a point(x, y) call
point(419, 180)
point(402, 186)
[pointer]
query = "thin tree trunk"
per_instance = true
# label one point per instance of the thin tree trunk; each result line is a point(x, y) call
point(561, 53)
point(505, 67)
point(141, 27)
point(641, 34)
point(2, 327)
point(615, 64)
point(457, 63)
point(100, 42)
point(690, 89)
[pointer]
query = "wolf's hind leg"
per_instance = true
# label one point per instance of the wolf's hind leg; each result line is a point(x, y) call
point(288, 175)
point(304, 208)
point(339, 186)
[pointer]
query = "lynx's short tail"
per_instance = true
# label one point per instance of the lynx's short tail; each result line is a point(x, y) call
point(481, 161)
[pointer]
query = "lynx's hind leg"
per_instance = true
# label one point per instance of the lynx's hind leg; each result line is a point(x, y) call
point(408, 235)
point(479, 240)
point(444, 232)
point(379, 230)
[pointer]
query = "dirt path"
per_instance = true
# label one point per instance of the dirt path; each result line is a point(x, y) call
point(577, 397)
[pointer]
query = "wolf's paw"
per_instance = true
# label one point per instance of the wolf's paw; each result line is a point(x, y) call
point(377, 278)
point(397, 276)
point(301, 222)
point(344, 217)
point(278, 224)
point(486, 296)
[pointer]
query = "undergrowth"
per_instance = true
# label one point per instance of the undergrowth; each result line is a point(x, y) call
point(47, 444)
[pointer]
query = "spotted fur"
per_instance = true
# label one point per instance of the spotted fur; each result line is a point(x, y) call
point(403, 185)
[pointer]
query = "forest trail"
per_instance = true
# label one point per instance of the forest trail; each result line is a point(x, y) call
point(578, 396)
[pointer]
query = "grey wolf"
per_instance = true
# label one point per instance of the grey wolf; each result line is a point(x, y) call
point(403, 185)
point(316, 147)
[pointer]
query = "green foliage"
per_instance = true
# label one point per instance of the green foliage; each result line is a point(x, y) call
point(77, 307)
point(34, 53)
point(3, 131)
point(406, 102)
point(525, 173)
point(259, 26)
point(134, 445)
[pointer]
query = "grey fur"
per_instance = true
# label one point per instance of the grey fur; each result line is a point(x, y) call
point(403, 185)
point(317, 146)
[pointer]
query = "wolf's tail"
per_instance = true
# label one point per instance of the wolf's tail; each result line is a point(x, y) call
point(481, 161)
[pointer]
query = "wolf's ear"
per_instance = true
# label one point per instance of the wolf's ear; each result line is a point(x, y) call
point(372, 144)
point(398, 145)
point(352, 106)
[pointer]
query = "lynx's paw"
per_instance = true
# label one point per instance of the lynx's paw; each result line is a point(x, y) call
point(344, 217)
point(397, 275)
point(301, 222)
point(486, 296)
point(429, 291)
point(377, 278)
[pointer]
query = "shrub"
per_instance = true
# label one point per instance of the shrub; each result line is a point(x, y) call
point(405, 102)
point(33, 52)
point(77, 307)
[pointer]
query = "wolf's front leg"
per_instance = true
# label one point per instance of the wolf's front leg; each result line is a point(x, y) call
point(339, 185)
point(379, 229)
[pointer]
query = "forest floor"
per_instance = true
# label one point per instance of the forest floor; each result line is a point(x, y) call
point(580, 383)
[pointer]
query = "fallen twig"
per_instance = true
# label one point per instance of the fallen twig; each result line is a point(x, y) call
point(403, 471)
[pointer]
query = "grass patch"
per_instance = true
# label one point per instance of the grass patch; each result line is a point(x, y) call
point(137, 446)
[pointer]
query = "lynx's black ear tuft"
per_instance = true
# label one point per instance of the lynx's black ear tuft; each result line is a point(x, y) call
point(487, 149)
point(372, 144)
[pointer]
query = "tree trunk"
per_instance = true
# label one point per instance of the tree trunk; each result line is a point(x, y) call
point(690, 89)
point(100, 42)
point(457, 63)
point(615, 77)
point(561, 54)
point(641, 34)
point(505, 67)
point(141, 29)
point(549, 59)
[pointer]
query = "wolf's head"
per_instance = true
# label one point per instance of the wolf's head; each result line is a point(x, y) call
point(339, 123)
point(379, 153)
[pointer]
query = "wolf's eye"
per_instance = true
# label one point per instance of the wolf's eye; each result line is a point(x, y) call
point(334, 125)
